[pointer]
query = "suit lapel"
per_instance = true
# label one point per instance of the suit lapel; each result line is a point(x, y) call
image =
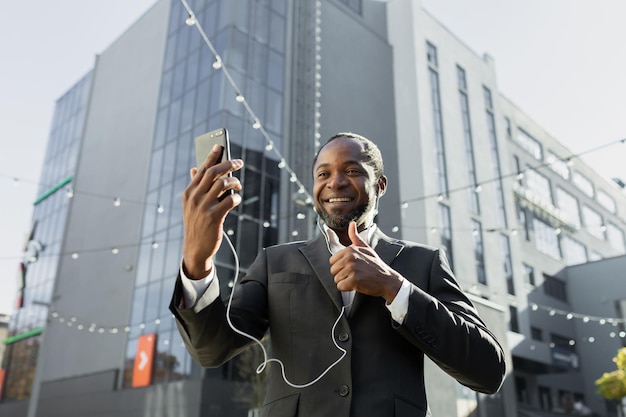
point(316, 252)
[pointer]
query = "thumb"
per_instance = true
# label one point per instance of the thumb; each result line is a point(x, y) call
point(354, 235)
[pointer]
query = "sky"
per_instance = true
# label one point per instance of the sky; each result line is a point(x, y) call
point(562, 62)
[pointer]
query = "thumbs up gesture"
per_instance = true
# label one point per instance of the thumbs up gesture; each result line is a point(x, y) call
point(358, 268)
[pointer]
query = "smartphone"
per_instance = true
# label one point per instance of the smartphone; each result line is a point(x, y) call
point(204, 143)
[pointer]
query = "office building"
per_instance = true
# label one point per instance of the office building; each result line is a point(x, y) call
point(463, 175)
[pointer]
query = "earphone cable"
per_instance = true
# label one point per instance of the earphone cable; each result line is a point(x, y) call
point(263, 364)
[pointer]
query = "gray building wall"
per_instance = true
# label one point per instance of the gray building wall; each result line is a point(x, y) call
point(410, 28)
point(114, 158)
point(357, 89)
point(594, 289)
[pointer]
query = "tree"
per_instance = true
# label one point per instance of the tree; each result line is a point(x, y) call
point(612, 385)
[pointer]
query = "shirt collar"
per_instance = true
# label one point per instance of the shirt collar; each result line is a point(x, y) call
point(333, 239)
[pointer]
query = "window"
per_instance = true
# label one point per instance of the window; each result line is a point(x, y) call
point(562, 342)
point(507, 123)
point(431, 52)
point(479, 255)
point(536, 333)
point(593, 222)
point(513, 320)
point(529, 274)
point(583, 183)
point(574, 252)
point(554, 287)
point(446, 232)
point(469, 141)
point(606, 201)
point(440, 155)
point(538, 185)
point(546, 239)
point(529, 144)
point(508, 266)
point(615, 237)
point(521, 390)
point(518, 169)
point(495, 159)
point(558, 165)
point(524, 220)
point(568, 204)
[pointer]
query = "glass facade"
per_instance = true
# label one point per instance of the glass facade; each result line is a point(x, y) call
point(195, 98)
point(40, 265)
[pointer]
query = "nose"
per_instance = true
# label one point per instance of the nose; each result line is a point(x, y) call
point(337, 180)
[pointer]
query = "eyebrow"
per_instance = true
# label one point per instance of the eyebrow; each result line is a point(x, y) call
point(350, 162)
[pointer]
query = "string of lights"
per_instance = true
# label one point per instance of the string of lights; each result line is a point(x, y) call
point(74, 322)
point(160, 209)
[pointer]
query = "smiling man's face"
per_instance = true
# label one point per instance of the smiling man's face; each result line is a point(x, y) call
point(345, 187)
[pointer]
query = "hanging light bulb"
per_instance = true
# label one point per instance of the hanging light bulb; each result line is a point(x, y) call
point(293, 178)
point(282, 164)
point(256, 124)
point(217, 64)
point(160, 208)
point(191, 20)
point(269, 146)
point(117, 202)
point(69, 192)
point(155, 244)
point(240, 98)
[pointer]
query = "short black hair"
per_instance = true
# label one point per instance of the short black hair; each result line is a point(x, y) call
point(371, 154)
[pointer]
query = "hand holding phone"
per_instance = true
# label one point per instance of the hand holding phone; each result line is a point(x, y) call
point(204, 143)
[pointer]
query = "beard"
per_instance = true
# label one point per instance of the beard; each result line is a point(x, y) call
point(340, 220)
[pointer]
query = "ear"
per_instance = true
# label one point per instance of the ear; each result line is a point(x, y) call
point(381, 186)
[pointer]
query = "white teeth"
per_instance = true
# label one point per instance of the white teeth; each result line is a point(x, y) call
point(338, 200)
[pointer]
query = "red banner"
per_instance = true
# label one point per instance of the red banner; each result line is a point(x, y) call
point(144, 360)
point(2, 375)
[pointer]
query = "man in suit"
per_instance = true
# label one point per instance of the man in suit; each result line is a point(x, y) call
point(387, 302)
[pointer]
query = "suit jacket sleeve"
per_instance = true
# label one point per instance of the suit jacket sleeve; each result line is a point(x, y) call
point(209, 338)
point(444, 324)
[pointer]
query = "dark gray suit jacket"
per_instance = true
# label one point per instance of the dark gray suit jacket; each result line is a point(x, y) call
point(289, 289)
